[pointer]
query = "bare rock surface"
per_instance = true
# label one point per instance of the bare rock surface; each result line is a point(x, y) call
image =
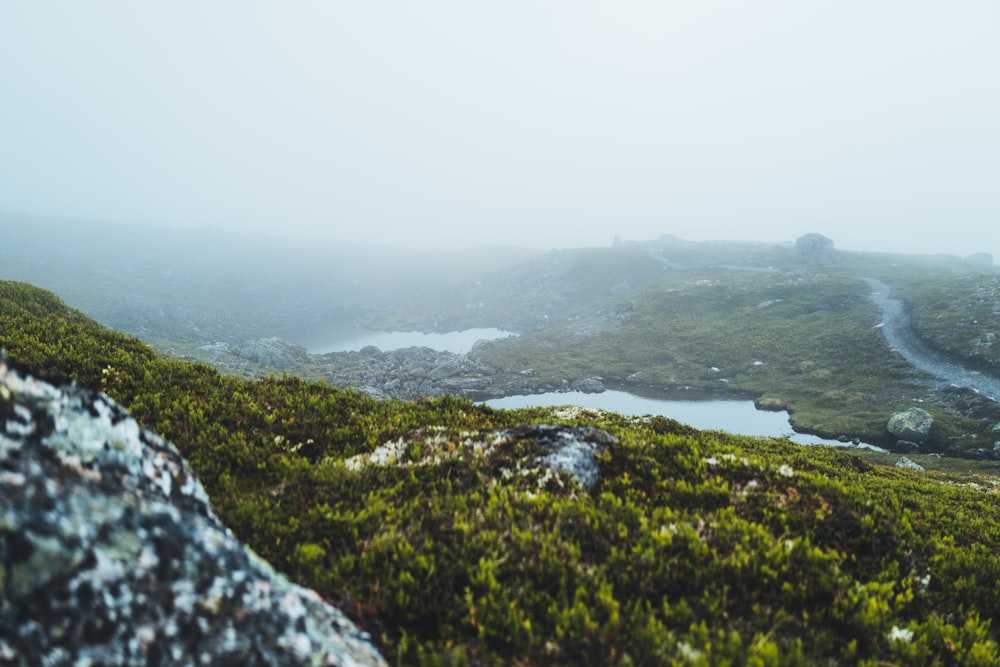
point(110, 553)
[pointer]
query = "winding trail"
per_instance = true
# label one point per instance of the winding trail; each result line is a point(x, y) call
point(900, 336)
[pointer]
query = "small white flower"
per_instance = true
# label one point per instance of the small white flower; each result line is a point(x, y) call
point(688, 652)
point(786, 470)
point(900, 634)
point(712, 461)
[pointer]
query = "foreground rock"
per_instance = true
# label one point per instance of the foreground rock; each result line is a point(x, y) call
point(110, 553)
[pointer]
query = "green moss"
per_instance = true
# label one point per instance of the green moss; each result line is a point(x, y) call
point(693, 548)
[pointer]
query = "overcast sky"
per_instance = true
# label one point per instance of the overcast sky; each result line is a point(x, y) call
point(541, 123)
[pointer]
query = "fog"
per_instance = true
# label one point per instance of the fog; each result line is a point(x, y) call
point(554, 124)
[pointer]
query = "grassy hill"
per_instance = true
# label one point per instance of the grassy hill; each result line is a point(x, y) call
point(437, 529)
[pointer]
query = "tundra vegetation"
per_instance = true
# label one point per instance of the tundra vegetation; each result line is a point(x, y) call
point(451, 544)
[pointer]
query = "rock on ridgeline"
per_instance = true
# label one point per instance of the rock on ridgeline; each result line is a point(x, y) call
point(814, 249)
point(111, 554)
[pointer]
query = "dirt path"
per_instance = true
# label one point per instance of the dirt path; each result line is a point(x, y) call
point(900, 336)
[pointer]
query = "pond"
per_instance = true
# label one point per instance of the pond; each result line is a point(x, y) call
point(458, 342)
point(733, 416)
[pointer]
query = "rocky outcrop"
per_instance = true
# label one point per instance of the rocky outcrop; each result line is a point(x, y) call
point(567, 449)
point(814, 249)
point(111, 554)
point(588, 385)
point(913, 425)
point(552, 449)
point(408, 373)
point(272, 352)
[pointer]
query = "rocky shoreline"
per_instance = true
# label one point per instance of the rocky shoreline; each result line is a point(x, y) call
point(421, 372)
point(407, 373)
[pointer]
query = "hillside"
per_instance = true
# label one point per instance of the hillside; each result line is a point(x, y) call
point(790, 328)
point(447, 530)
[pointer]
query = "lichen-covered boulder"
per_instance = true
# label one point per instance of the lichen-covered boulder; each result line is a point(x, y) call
point(913, 425)
point(567, 448)
point(110, 553)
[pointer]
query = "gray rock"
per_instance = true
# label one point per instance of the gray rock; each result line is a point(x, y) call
point(568, 449)
point(588, 385)
point(913, 424)
point(218, 348)
point(814, 249)
point(904, 462)
point(110, 552)
point(272, 352)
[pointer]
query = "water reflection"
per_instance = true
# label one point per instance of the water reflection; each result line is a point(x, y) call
point(733, 416)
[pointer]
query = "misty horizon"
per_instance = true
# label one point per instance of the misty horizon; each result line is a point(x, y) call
point(447, 125)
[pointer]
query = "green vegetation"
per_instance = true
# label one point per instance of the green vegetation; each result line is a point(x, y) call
point(806, 342)
point(959, 316)
point(451, 545)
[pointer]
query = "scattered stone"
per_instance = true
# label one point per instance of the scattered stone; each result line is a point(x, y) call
point(904, 462)
point(111, 554)
point(913, 425)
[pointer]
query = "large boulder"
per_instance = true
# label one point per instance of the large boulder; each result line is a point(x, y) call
point(913, 425)
point(111, 554)
point(814, 249)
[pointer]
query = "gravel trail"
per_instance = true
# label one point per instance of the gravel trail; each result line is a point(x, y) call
point(900, 336)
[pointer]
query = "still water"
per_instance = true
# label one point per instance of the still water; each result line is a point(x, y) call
point(732, 416)
point(458, 342)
